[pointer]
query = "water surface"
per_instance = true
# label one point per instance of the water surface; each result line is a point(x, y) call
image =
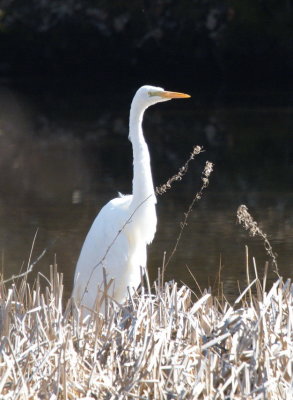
point(64, 155)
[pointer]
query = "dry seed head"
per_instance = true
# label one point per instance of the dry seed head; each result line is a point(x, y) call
point(247, 221)
point(182, 171)
point(249, 224)
point(208, 169)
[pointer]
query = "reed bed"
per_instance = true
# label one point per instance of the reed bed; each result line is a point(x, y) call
point(160, 345)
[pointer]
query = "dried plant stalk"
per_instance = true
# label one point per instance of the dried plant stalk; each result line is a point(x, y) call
point(208, 169)
point(182, 171)
point(161, 345)
point(247, 221)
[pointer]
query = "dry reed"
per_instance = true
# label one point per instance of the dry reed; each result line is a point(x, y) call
point(159, 345)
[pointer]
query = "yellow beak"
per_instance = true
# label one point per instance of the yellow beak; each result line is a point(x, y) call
point(174, 95)
point(171, 95)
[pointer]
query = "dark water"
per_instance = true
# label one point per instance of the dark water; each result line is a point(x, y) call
point(63, 155)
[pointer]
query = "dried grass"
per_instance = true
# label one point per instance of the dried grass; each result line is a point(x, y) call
point(162, 345)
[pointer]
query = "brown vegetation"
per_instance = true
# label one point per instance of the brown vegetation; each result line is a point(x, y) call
point(160, 345)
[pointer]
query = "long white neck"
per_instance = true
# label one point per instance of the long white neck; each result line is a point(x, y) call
point(142, 186)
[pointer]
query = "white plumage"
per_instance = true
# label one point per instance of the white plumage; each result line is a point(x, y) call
point(118, 238)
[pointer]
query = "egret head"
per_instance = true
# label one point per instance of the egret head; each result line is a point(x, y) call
point(148, 95)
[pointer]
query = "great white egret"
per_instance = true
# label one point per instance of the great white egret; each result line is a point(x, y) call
point(115, 246)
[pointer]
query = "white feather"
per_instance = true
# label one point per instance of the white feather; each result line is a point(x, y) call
point(118, 238)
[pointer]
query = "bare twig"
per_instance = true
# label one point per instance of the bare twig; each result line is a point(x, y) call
point(208, 169)
point(182, 171)
point(247, 221)
point(29, 269)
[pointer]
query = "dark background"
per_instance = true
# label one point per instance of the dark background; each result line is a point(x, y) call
point(102, 42)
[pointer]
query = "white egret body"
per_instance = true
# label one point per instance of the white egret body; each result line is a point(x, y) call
point(124, 227)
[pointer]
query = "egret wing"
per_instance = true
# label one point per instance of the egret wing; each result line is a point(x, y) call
point(106, 246)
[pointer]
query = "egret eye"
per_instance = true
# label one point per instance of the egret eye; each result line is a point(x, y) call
point(151, 94)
